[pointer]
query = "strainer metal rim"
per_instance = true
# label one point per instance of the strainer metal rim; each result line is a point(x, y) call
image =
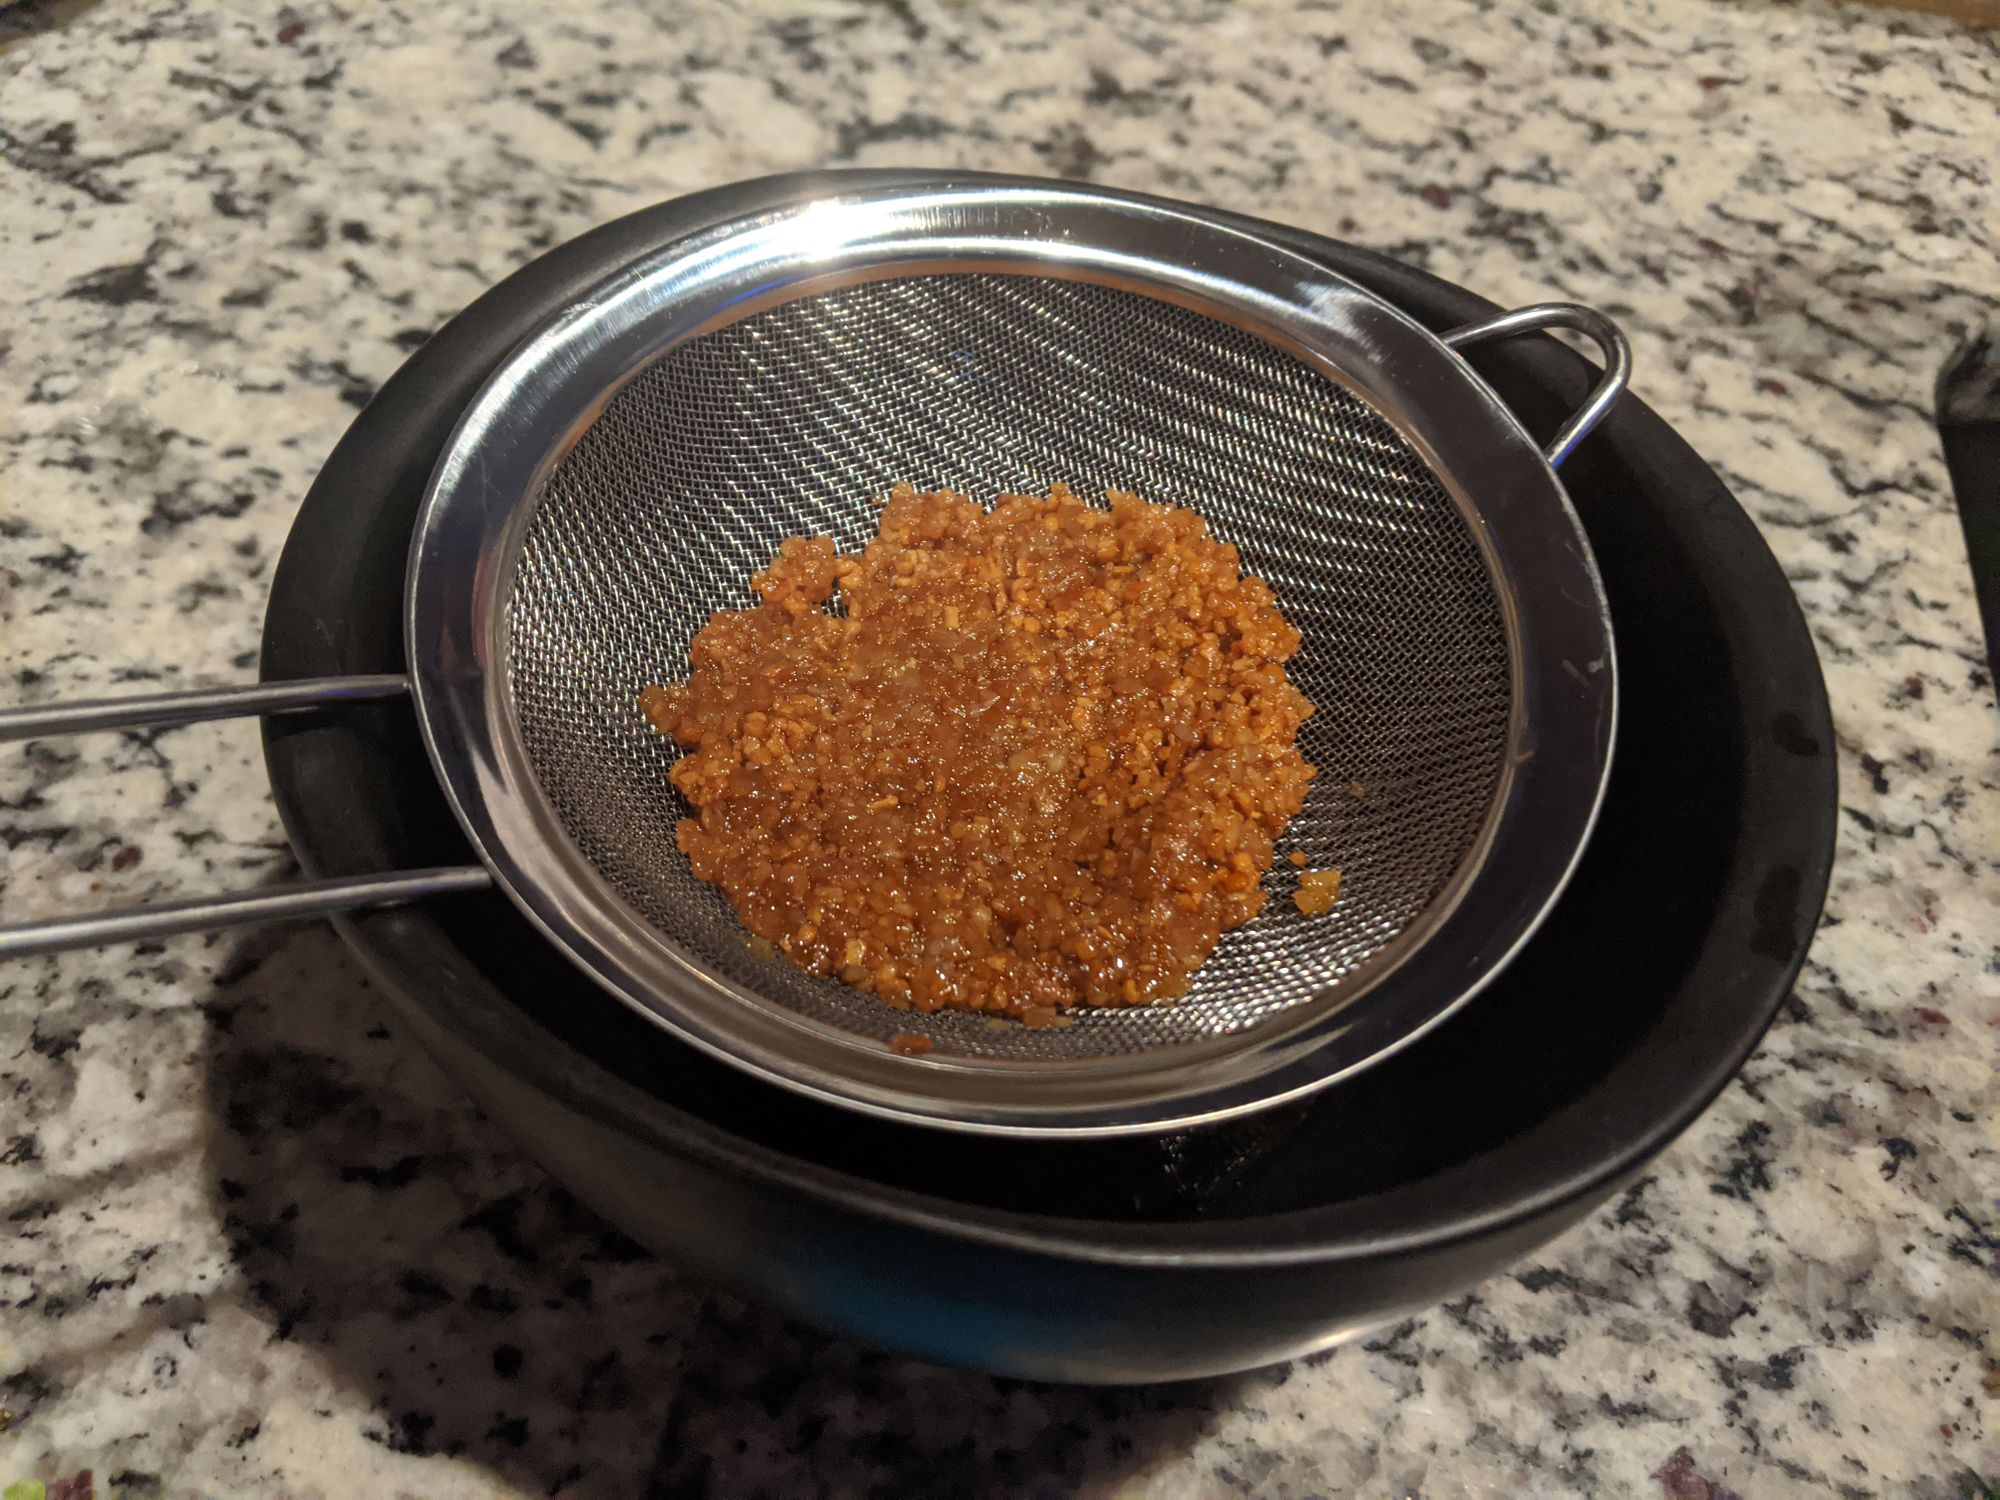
point(490, 476)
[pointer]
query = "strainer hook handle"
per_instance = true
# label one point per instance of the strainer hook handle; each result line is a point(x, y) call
point(1589, 322)
point(311, 898)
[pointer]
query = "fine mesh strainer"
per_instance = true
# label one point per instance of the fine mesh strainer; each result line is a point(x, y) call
point(629, 467)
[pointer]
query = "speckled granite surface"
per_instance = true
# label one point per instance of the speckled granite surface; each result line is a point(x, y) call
point(252, 1243)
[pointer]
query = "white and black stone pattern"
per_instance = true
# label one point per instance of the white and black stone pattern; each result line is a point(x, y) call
point(253, 1243)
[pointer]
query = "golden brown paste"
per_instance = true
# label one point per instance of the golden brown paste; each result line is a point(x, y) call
point(1036, 759)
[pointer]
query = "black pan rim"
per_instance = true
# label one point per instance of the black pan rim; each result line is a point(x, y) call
point(1795, 806)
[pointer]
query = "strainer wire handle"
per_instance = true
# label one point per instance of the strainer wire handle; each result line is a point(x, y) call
point(162, 710)
point(311, 898)
point(1587, 321)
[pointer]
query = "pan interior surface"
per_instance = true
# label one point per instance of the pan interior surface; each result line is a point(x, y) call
point(797, 418)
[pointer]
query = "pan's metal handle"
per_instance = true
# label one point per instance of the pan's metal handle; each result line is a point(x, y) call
point(312, 898)
point(1587, 321)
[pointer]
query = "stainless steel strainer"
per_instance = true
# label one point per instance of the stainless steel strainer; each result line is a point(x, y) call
point(630, 466)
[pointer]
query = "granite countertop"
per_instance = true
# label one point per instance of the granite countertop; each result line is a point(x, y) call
point(252, 1242)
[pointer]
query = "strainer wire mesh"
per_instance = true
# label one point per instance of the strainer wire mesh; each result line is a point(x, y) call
point(795, 419)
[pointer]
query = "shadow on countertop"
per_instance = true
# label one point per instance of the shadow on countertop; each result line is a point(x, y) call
point(21, 19)
point(382, 1223)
